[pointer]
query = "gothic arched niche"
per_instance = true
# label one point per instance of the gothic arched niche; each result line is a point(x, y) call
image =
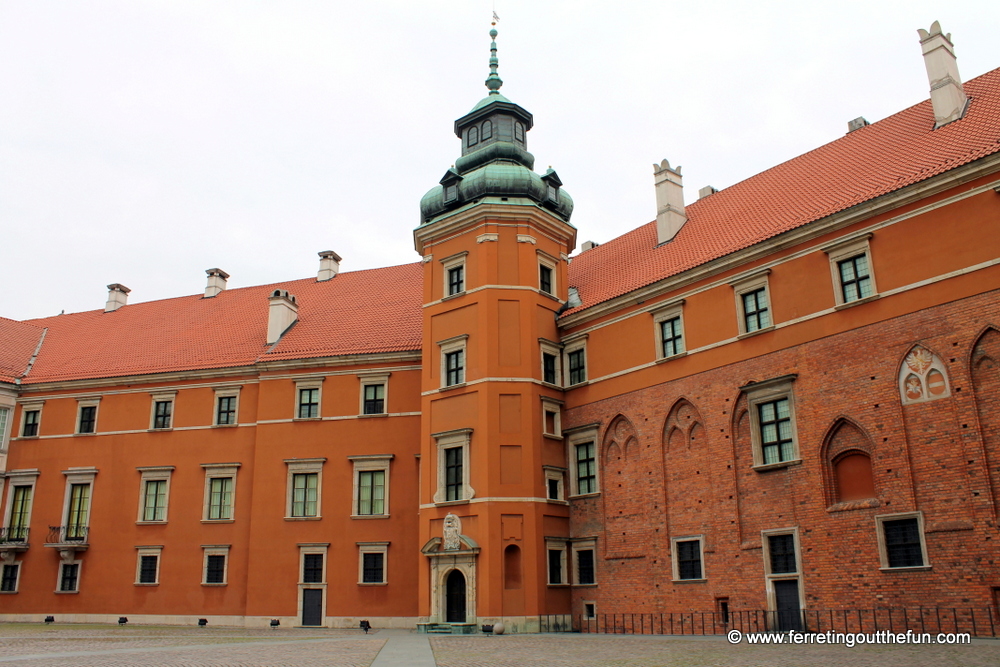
point(619, 440)
point(985, 367)
point(683, 427)
point(848, 452)
point(922, 377)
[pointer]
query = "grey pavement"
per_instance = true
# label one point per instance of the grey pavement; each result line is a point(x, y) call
point(404, 647)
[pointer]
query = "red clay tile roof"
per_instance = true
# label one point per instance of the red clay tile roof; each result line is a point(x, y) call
point(878, 159)
point(18, 342)
point(357, 312)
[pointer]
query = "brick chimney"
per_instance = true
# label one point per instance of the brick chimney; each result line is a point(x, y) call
point(947, 95)
point(329, 265)
point(283, 313)
point(117, 297)
point(216, 282)
point(670, 215)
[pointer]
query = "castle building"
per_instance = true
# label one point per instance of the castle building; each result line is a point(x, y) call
point(781, 396)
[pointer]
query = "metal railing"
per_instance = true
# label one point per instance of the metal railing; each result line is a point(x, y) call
point(67, 534)
point(14, 535)
point(978, 622)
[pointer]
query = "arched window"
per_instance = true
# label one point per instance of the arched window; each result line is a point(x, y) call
point(473, 136)
point(519, 132)
point(853, 476)
point(487, 130)
point(512, 566)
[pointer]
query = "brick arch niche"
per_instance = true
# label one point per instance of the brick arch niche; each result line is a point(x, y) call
point(985, 371)
point(850, 475)
point(619, 442)
point(686, 475)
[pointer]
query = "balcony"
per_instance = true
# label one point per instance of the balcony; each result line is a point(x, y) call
point(68, 539)
point(13, 539)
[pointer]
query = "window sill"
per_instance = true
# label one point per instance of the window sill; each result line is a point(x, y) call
point(857, 302)
point(224, 425)
point(578, 384)
point(376, 414)
point(449, 503)
point(22, 437)
point(915, 568)
point(303, 518)
point(373, 583)
point(66, 592)
point(849, 505)
point(369, 516)
point(8, 592)
point(777, 466)
point(553, 436)
point(559, 585)
point(662, 360)
point(151, 523)
point(452, 386)
point(557, 501)
point(748, 334)
point(218, 520)
point(585, 495)
point(83, 434)
point(214, 585)
point(552, 385)
point(550, 295)
point(593, 585)
point(453, 296)
point(146, 585)
point(307, 419)
point(158, 430)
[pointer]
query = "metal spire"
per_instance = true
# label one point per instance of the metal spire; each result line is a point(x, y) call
point(493, 81)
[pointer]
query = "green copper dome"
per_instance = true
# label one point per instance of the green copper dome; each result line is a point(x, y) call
point(495, 161)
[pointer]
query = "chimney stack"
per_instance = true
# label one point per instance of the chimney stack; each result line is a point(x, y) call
point(117, 297)
point(329, 265)
point(670, 215)
point(216, 282)
point(947, 95)
point(283, 313)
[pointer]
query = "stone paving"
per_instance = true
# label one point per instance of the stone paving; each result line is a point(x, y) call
point(36, 645)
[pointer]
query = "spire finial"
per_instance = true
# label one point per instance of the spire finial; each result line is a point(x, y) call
point(493, 81)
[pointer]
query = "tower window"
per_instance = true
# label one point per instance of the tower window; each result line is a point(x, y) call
point(472, 138)
point(519, 132)
point(487, 130)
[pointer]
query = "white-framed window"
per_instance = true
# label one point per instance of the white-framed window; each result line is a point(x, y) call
point(753, 302)
point(76, 504)
point(556, 561)
point(374, 393)
point(851, 269)
point(373, 559)
point(31, 419)
point(552, 417)
point(551, 362)
point(154, 493)
point(688, 558)
point(453, 360)
point(901, 543)
point(781, 552)
point(453, 466)
point(68, 580)
point(575, 360)
point(772, 422)
point(86, 415)
point(585, 562)
point(147, 565)
point(371, 485)
point(668, 323)
point(215, 567)
point(589, 610)
point(305, 489)
point(453, 270)
point(583, 456)
point(547, 272)
point(10, 577)
point(227, 406)
point(220, 491)
point(6, 414)
point(554, 480)
point(20, 496)
point(161, 410)
point(308, 397)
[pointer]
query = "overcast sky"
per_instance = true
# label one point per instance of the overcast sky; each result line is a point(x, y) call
point(142, 142)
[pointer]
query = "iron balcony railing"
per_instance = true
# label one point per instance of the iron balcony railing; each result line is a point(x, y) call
point(68, 534)
point(978, 622)
point(14, 535)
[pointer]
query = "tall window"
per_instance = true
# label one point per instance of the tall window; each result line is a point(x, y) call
point(903, 544)
point(670, 332)
point(69, 577)
point(312, 568)
point(17, 529)
point(304, 494)
point(756, 315)
point(371, 492)
point(775, 431)
point(220, 498)
point(556, 558)
point(585, 566)
point(88, 419)
point(453, 473)
point(161, 414)
point(545, 278)
point(688, 554)
point(473, 136)
point(454, 367)
point(225, 413)
point(4, 418)
point(487, 130)
point(77, 518)
point(549, 367)
point(577, 366)
point(374, 399)
point(586, 468)
point(456, 279)
point(855, 278)
point(308, 403)
point(155, 500)
point(31, 420)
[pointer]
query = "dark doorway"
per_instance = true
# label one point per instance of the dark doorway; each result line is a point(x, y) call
point(786, 599)
point(455, 597)
point(312, 606)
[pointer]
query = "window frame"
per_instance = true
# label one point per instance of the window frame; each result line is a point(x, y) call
point(374, 380)
point(666, 313)
point(304, 467)
point(571, 346)
point(75, 477)
point(845, 249)
point(554, 350)
point(582, 435)
point(150, 474)
point(17, 576)
point(370, 463)
point(883, 550)
point(555, 406)
point(553, 545)
point(766, 543)
point(310, 549)
point(456, 261)
point(546, 261)
point(215, 471)
point(26, 407)
point(209, 550)
point(226, 392)
point(558, 475)
point(365, 548)
point(588, 544)
point(747, 283)
point(60, 578)
point(768, 391)
point(457, 439)
point(17, 479)
point(156, 398)
point(309, 384)
point(152, 551)
point(675, 563)
point(449, 346)
point(87, 403)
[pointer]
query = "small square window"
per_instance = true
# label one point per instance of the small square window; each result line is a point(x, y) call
point(308, 403)
point(312, 568)
point(149, 568)
point(215, 568)
point(851, 268)
point(162, 410)
point(372, 562)
point(31, 419)
point(901, 541)
point(752, 302)
point(8, 580)
point(688, 559)
point(453, 268)
point(374, 390)
point(855, 278)
point(87, 415)
point(69, 577)
point(226, 406)
point(669, 329)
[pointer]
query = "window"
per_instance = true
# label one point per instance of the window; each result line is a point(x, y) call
point(453, 360)
point(307, 392)
point(220, 491)
point(551, 417)
point(304, 488)
point(583, 560)
point(473, 136)
point(669, 330)
point(518, 132)
point(752, 302)
point(8, 579)
point(556, 551)
point(781, 554)
point(312, 568)
point(31, 418)
point(20, 514)
point(5, 413)
point(76, 504)
point(487, 130)
point(148, 566)
point(373, 393)
point(226, 406)
point(554, 482)
point(372, 562)
point(551, 371)
point(688, 558)
point(162, 410)
point(772, 419)
point(547, 272)
point(216, 561)
point(87, 415)
point(576, 360)
point(901, 540)
point(371, 485)
point(545, 279)
point(850, 266)
point(453, 466)
point(589, 611)
point(454, 273)
point(582, 446)
point(155, 486)
point(69, 577)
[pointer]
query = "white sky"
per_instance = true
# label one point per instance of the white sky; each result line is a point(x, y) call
point(145, 141)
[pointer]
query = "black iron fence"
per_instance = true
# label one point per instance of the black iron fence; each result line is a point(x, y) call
point(71, 533)
point(14, 534)
point(978, 622)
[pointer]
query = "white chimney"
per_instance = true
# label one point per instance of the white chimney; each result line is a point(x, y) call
point(588, 245)
point(216, 282)
point(283, 313)
point(857, 124)
point(706, 191)
point(329, 265)
point(117, 297)
point(947, 95)
point(670, 215)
